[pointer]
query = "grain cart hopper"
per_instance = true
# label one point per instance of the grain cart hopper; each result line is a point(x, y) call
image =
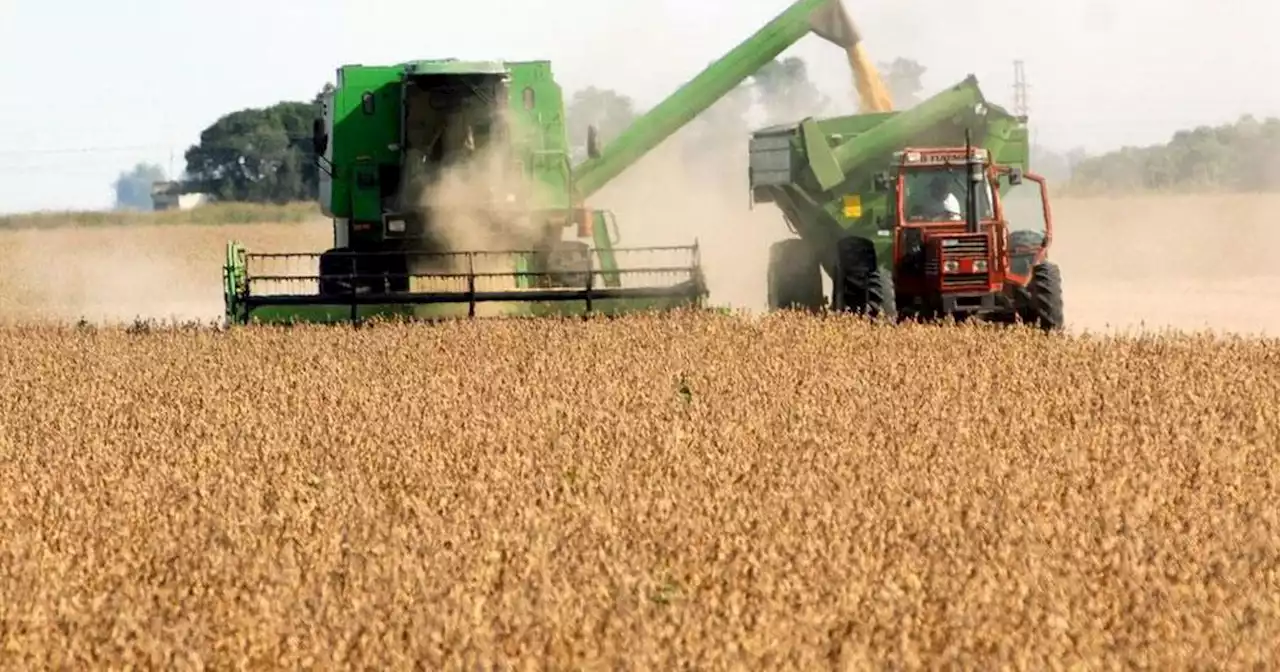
point(851, 188)
point(450, 185)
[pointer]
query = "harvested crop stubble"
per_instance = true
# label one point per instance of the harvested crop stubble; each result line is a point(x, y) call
point(649, 491)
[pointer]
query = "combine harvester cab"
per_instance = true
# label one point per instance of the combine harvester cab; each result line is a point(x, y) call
point(850, 189)
point(452, 192)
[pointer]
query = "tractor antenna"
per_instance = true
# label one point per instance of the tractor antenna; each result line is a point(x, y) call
point(975, 180)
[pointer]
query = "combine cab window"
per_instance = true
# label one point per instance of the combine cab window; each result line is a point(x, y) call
point(930, 191)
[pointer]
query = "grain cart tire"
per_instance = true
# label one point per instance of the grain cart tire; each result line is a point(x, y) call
point(568, 263)
point(860, 285)
point(1044, 306)
point(795, 277)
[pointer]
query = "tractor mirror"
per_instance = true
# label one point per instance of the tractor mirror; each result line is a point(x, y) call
point(593, 143)
point(1015, 176)
point(319, 139)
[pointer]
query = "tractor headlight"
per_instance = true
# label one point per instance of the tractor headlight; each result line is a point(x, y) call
point(950, 266)
point(980, 266)
point(395, 225)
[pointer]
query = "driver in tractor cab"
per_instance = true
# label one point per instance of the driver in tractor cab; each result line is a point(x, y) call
point(943, 205)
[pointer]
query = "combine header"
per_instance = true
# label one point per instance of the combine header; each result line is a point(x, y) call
point(452, 192)
point(909, 215)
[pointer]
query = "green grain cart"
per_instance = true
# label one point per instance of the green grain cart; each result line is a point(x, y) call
point(452, 191)
point(850, 188)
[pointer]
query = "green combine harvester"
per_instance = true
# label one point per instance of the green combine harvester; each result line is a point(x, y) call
point(858, 191)
point(452, 192)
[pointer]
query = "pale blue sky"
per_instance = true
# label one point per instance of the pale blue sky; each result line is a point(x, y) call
point(126, 81)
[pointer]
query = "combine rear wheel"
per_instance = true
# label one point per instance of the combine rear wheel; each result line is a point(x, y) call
point(795, 278)
point(1043, 306)
point(860, 285)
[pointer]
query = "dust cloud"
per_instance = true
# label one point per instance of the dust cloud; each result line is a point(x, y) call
point(479, 203)
point(1187, 262)
point(113, 275)
point(667, 199)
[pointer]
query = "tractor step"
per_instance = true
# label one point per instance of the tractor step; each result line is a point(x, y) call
point(346, 286)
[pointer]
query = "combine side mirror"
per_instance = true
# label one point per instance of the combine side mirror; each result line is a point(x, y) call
point(1015, 176)
point(319, 139)
point(593, 143)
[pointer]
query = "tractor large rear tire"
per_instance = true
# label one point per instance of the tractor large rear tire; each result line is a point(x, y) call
point(1044, 306)
point(795, 277)
point(860, 285)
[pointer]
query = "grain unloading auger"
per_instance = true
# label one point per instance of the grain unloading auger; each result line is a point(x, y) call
point(451, 190)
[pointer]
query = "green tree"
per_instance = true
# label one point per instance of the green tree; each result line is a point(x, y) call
point(260, 155)
point(609, 111)
point(785, 91)
point(133, 187)
point(905, 80)
point(1230, 157)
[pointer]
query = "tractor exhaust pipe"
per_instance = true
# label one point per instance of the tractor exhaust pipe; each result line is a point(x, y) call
point(974, 165)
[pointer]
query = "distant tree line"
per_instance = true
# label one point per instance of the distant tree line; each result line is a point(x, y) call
point(264, 155)
point(1242, 156)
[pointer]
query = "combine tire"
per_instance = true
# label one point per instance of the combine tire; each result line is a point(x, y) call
point(795, 278)
point(336, 269)
point(1044, 297)
point(569, 262)
point(861, 286)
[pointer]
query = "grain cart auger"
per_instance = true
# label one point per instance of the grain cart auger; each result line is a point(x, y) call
point(883, 237)
point(451, 190)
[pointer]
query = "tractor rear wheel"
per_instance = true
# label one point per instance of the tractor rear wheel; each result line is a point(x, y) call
point(860, 285)
point(1044, 297)
point(795, 278)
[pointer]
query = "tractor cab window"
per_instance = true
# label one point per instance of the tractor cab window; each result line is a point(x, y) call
point(941, 195)
point(1023, 207)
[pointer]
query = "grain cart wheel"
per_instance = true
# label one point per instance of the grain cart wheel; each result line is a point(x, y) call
point(860, 285)
point(795, 278)
point(1043, 306)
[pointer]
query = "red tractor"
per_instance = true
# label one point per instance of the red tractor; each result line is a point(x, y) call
point(967, 240)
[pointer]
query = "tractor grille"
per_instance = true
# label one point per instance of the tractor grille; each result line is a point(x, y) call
point(964, 250)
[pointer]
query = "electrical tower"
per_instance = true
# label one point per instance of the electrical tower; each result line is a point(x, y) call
point(1020, 87)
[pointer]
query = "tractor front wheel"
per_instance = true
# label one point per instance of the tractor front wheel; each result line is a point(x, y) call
point(795, 278)
point(1044, 306)
point(860, 285)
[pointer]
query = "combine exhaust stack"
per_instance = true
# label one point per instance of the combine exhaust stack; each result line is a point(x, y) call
point(275, 287)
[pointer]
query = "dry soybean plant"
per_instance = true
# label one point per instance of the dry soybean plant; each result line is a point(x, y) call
point(651, 492)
